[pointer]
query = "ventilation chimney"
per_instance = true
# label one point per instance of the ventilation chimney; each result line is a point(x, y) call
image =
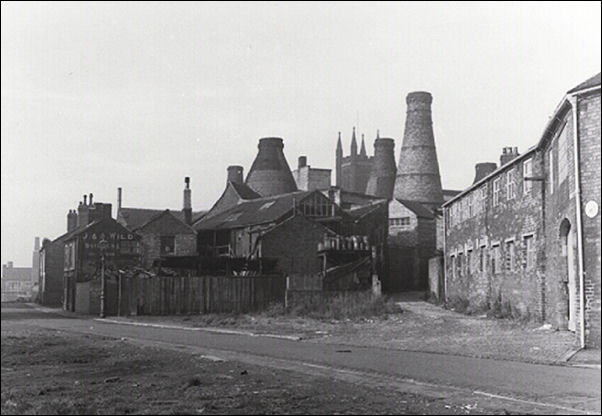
point(187, 208)
point(418, 176)
point(508, 153)
point(235, 174)
point(118, 200)
point(382, 176)
point(270, 173)
point(91, 196)
point(85, 199)
point(482, 170)
point(302, 161)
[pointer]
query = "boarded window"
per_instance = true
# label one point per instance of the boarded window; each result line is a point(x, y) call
point(496, 259)
point(168, 244)
point(529, 252)
point(510, 256)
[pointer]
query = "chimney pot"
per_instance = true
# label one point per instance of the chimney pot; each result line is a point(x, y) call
point(235, 174)
point(302, 161)
point(118, 199)
point(91, 196)
point(85, 199)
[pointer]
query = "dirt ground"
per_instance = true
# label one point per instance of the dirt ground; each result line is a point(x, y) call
point(418, 326)
point(50, 372)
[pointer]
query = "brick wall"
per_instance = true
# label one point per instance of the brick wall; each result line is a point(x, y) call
point(166, 225)
point(589, 135)
point(295, 244)
point(476, 236)
point(52, 259)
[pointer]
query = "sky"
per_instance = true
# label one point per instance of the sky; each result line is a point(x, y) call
point(96, 96)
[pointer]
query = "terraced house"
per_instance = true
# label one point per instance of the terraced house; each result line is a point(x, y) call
point(525, 237)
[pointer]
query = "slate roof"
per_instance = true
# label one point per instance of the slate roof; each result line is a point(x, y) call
point(136, 217)
point(92, 224)
point(253, 212)
point(244, 191)
point(591, 82)
point(161, 214)
point(417, 208)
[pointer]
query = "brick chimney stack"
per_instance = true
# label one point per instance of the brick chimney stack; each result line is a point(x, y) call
point(483, 169)
point(83, 213)
point(270, 173)
point(302, 162)
point(235, 174)
point(71, 220)
point(187, 208)
point(418, 177)
point(508, 153)
point(382, 176)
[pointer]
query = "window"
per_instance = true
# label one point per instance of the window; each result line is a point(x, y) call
point(510, 185)
point(527, 173)
point(551, 171)
point(482, 259)
point(529, 252)
point(453, 267)
point(496, 259)
point(563, 155)
point(168, 244)
point(399, 222)
point(469, 259)
point(460, 265)
point(510, 256)
point(496, 191)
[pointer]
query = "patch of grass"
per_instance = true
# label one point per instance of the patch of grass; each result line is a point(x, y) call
point(348, 306)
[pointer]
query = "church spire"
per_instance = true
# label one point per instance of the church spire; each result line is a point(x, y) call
point(353, 144)
point(363, 148)
point(339, 146)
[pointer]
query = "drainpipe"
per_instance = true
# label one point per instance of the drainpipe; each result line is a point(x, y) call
point(573, 101)
point(445, 255)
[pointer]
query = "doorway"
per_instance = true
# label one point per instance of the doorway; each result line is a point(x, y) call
point(567, 242)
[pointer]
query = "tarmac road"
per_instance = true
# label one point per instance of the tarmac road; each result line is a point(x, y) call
point(559, 389)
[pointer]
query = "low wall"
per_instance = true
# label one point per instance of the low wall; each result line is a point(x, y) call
point(436, 284)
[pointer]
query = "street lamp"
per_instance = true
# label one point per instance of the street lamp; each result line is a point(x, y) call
point(102, 245)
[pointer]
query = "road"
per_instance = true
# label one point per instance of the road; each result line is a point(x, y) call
point(539, 388)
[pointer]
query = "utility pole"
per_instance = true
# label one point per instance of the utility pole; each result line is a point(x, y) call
point(102, 245)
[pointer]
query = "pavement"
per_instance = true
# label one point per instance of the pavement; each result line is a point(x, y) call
point(525, 387)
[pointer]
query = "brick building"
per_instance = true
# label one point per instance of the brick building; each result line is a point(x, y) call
point(165, 235)
point(526, 237)
point(82, 261)
point(50, 280)
point(16, 282)
point(310, 179)
point(286, 227)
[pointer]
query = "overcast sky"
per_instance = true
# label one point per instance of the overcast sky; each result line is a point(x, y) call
point(96, 96)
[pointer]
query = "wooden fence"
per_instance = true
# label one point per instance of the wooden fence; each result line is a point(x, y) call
point(168, 295)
